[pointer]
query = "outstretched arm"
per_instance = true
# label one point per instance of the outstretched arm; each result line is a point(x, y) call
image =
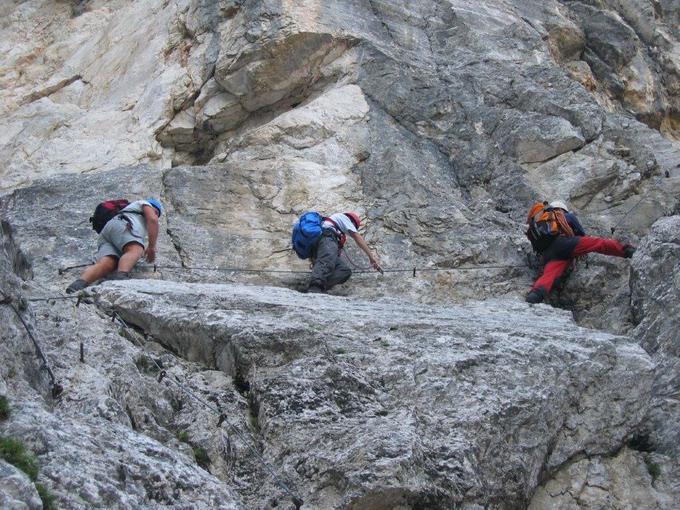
point(359, 239)
point(151, 217)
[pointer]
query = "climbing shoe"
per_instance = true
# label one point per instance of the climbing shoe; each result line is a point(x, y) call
point(77, 285)
point(628, 251)
point(535, 296)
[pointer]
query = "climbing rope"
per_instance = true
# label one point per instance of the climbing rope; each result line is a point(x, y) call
point(413, 269)
point(416, 269)
point(55, 388)
point(222, 418)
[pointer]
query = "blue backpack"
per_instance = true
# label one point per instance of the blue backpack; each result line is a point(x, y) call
point(306, 233)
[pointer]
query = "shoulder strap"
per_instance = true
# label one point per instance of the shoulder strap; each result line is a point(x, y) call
point(565, 228)
point(329, 220)
point(341, 237)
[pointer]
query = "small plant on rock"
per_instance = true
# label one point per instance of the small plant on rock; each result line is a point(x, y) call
point(5, 410)
point(48, 500)
point(183, 436)
point(177, 404)
point(253, 421)
point(14, 452)
point(653, 468)
point(202, 458)
point(146, 365)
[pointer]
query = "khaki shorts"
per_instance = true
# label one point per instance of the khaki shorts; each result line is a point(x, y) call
point(114, 237)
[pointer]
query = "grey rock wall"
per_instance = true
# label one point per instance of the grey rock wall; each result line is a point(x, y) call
point(655, 296)
point(439, 123)
point(428, 406)
point(16, 489)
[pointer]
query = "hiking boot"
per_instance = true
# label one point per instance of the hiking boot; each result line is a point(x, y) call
point(119, 275)
point(628, 251)
point(77, 285)
point(535, 296)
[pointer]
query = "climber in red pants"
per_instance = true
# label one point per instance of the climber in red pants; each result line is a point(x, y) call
point(558, 237)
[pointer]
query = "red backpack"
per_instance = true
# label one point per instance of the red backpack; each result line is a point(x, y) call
point(106, 211)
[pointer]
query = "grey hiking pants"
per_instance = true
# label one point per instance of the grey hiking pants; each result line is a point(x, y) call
point(329, 269)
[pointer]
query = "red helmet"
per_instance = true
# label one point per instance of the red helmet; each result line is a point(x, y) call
point(355, 218)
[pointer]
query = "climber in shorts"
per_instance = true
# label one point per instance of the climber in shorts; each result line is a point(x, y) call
point(128, 236)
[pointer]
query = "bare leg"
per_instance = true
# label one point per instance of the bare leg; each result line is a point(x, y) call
point(132, 252)
point(100, 269)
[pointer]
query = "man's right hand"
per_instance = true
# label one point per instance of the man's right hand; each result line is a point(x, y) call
point(150, 254)
point(376, 264)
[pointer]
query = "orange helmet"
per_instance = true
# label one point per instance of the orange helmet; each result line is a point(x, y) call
point(355, 218)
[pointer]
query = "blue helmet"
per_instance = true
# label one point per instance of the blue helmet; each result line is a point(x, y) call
point(156, 204)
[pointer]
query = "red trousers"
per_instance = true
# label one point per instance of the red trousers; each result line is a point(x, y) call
point(556, 267)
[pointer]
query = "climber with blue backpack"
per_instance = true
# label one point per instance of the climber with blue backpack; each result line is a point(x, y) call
point(558, 238)
point(321, 239)
point(123, 229)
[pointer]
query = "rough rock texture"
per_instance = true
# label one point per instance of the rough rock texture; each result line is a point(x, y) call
point(17, 490)
point(629, 479)
point(655, 297)
point(106, 441)
point(425, 406)
point(439, 123)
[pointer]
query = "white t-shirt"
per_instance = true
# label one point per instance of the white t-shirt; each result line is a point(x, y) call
point(342, 221)
point(138, 221)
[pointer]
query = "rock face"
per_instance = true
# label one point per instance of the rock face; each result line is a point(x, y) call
point(406, 405)
point(17, 491)
point(439, 124)
point(629, 478)
point(655, 296)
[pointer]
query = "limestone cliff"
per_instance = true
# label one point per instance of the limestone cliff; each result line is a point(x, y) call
point(439, 122)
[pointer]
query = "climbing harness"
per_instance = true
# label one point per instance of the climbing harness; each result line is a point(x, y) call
point(56, 388)
point(222, 419)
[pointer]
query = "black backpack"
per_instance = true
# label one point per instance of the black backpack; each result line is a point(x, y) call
point(106, 211)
